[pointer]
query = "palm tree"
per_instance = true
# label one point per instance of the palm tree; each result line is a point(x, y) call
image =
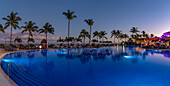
point(60, 40)
point(113, 33)
point(70, 16)
point(84, 34)
point(47, 28)
point(12, 20)
point(126, 36)
point(96, 34)
point(70, 39)
point(1, 28)
point(147, 35)
point(78, 39)
point(134, 30)
point(30, 27)
point(121, 36)
point(90, 23)
point(18, 40)
point(152, 35)
point(143, 34)
point(132, 36)
point(118, 34)
point(137, 37)
point(31, 40)
point(102, 35)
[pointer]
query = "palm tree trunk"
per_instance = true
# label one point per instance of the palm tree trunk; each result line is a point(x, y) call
point(118, 40)
point(114, 39)
point(11, 36)
point(84, 39)
point(135, 38)
point(97, 39)
point(28, 41)
point(68, 28)
point(46, 41)
point(90, 36)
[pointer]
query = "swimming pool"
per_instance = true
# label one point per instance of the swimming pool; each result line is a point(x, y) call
point(108, 66)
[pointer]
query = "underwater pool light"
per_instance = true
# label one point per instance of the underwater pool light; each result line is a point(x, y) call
point(155, 51)
point(6, 60)
point(130, 57)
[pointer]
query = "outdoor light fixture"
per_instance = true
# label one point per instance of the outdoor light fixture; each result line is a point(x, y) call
point(40, 46)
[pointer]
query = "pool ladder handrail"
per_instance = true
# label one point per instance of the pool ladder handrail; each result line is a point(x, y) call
point(16, 65)
point(22, 69)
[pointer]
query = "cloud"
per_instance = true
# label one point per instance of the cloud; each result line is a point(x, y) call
point(38, 37)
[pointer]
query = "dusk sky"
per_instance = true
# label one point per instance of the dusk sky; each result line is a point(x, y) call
point(152, 16)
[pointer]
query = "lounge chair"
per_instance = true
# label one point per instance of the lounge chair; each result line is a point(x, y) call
point(7, 49)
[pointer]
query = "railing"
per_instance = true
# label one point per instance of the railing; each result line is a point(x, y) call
point(35, 81)
point(16, 65)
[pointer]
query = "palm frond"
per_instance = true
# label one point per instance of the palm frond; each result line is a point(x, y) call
point(6, 26)
point(18, 27)
point(7, 23)
point(6, 19)
point(23, 31)
point(69, 14)
point(1, 28)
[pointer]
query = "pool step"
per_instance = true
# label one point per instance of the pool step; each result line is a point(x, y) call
point(27, 77)
point(22, 78)
point(30, 76)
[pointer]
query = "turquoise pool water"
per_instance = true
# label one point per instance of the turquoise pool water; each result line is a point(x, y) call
point(108, 66)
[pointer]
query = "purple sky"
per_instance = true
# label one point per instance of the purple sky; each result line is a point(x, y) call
point(153, 16)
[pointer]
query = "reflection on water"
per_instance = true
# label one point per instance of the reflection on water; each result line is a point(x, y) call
point(120, 54)
point(18, 54)
point(167, 55)
point(30, 54)
point(106, 66)
point(85, 55)
point(44, 52)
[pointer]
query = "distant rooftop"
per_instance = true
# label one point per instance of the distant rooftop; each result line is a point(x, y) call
point(167, 32)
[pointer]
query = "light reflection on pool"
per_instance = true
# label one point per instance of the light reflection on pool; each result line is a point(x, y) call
point(108, 66)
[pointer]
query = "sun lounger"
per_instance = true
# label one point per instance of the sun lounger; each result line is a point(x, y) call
point(7, 49)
